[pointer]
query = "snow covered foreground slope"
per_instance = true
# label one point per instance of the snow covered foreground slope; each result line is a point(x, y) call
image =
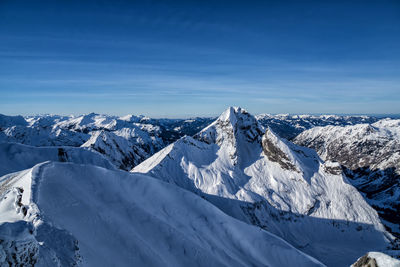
point(259, 178)
point(62, 214)
point(17, 157)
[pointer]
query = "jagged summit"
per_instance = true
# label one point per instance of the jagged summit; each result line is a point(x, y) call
point(230, 124)
point(232, 114)
point(237, 131)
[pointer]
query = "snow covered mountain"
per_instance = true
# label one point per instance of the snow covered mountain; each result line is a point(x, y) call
point(42, 131)
point(370, 156)
point(135, 141)
point(117, 149)
point(81, 213)
point(253, 175)
point(63, 214)
point(141, 132)
point(289, 126)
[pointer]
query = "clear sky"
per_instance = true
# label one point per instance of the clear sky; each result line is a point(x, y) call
point(183, 58)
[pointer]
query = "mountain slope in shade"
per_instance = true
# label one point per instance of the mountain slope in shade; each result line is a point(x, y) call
point(8, 121)
point(265, 180)
point(117, 149)
point(17, 157)
point(62, 214)
point(370, 156)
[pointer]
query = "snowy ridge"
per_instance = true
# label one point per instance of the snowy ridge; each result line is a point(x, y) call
point(17, 157)
point(89, 122)
point(42, 133)
point(263, 179)
point(59, 214)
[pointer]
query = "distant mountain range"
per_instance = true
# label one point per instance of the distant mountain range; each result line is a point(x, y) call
point(237, 190)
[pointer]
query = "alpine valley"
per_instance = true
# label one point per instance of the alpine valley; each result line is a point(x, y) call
point(236, 190)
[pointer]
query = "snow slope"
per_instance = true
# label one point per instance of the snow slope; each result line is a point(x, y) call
point(16, 157)
point(63, 214)
point(260, 178)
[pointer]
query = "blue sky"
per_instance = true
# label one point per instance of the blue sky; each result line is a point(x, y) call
point(183, 58)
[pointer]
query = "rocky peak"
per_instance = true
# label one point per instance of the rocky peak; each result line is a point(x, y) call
point(236, 131)
point(233, 124)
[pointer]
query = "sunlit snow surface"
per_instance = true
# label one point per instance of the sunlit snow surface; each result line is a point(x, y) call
point(267, 181)
point(63, 214)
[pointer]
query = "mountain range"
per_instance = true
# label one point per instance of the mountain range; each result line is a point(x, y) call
point(237, 190)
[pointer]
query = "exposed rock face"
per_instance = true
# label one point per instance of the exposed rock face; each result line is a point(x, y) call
point(275, 154)
point(232, 130)
point(376, 259)
point(365, 261)
point(234, 123)
point(333, 168)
